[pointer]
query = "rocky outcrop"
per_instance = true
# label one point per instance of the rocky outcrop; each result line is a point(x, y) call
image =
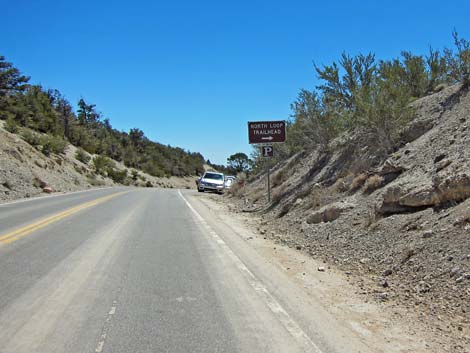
point(397, 199)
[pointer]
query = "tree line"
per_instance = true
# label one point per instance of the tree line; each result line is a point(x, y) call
point(30, 108)
point(362, 93)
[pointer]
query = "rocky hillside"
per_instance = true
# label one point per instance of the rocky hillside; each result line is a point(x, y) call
point(27, 172)
point(398, 225)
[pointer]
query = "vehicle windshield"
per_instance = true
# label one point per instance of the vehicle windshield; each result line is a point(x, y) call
point(214, 176)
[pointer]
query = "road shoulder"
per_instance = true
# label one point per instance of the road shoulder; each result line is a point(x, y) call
point(381, 326)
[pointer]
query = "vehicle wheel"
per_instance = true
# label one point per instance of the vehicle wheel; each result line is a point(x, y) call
point(200, 190)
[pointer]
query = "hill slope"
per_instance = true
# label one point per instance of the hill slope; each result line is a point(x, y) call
point(25, 171)
point(401, 228)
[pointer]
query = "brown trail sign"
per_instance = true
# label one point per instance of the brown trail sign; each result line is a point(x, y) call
point(266, 132)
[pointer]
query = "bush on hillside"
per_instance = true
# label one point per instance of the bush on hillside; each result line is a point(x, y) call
point(82, 156)
point(11, 125)
point(30, 137)
point(52, 144)
point(102, 164)
point(118, 176)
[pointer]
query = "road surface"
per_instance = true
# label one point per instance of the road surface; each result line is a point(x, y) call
point(145, 270)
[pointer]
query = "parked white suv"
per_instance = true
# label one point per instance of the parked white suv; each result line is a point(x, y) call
point(211, 181)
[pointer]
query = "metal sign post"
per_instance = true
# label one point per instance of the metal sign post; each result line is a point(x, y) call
point(264, 134)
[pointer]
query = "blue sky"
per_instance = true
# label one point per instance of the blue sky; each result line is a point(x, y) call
point(192, 73)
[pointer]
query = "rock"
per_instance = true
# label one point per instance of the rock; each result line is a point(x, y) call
point(442, 164)
point(262, 231)
point(428, 234)
point(321, 269)
point(384, 283)
point(388, 272)
point(460, 279)
point(439, 158)
point(397, 199)
point(40, 163)
point(423, 287)
point(39, 183)
point(383, 296)
point(364, 260)
point(47, 189)
point(298, 247)
point(455, 271)
point(329, 213)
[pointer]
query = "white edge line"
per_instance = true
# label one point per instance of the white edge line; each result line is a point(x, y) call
point(276, 308)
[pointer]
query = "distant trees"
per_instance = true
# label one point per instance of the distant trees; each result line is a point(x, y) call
point(238, 162)
point(31, 107)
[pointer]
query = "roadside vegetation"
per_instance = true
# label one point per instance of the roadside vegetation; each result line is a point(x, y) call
point(362, 94)
point(48, 121)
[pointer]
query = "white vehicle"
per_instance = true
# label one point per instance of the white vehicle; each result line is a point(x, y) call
point(212, 181)
point(229, 180)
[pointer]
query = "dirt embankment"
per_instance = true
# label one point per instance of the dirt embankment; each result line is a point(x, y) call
point(398, 225)
point(26, 172)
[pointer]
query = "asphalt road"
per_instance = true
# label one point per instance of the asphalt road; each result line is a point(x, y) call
point(143, 270)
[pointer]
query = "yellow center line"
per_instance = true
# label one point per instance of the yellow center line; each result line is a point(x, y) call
point(21, 232)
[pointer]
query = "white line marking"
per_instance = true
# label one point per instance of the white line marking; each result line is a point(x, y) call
point(104, 330)
point(282, 315)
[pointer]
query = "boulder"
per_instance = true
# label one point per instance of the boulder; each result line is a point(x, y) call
point(406, 198)
point(47, 189)
point(329, 213)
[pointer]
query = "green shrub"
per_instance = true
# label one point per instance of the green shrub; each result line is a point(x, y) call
point(94, 181)
point(53, 144)
point(118, 176)
point(102, 164)
point(30, 137)
point(134, 174)
point(11, 126)
point(82, 156)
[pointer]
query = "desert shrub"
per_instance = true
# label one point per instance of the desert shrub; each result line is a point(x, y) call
point(149, 184)
point(340, 185)
point(82, 156)
point(92, 180)
point(280, 177)
point(358, 182)
point(316, 198)
point(118, 176)
point(30, 137)
point(134, 174)
point(102, 164)
point(258, 195)
point(53, 144)
point(237, 188)
point(458, 64)
point(278, 194)
point(11, 125)
point(373, 183)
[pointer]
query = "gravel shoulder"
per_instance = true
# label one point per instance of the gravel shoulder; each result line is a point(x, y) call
point(386, 326)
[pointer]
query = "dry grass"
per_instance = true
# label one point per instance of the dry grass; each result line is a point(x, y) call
point(280, 177)
point(258, 195)
point(278, 194)
point(373, 183)
point(316, 198)
point(341, 185)
point(358, 181)
point(237, 188)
